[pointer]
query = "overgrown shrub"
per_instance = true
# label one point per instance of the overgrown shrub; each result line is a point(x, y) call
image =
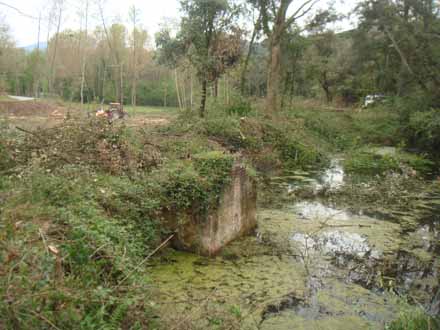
point(350, 129)
point(225, 130)
point(239, 107)
point(423, 131)
point(196, 185)
point(370, 162)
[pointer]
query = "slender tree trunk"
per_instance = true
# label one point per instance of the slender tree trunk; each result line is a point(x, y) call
point(52, 65)
point(248, 55)
point(326, 87)
point(227, 89)
point(37, 69)
point(134, 82)
point(177, 89)
point(192, 89)
point(274, 75)
point(165, 95)
point(121, 94)
point(203, 98)
point(104, 80)
point(404, 59)
point(216, 88)
point(184, 100)
point(83, 68)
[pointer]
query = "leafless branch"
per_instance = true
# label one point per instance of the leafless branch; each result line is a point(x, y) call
point(18, 11)
point(301, 12)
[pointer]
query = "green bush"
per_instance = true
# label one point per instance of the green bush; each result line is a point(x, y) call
point(196, 185)
point(239, 107)
point(297, 154)
point(423, 131)
point(367, 163)
point(224, 129)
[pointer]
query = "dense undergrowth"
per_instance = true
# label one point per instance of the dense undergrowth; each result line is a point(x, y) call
point(81, 203)
point(80, 207)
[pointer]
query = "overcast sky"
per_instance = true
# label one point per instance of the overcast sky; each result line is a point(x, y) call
point(25, 29)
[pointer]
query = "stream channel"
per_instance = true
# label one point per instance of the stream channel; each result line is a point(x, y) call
point(310, 265)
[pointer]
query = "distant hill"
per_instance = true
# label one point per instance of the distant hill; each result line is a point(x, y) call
point(30, 48)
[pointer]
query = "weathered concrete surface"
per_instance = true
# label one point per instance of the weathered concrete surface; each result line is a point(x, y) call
point(235, 217)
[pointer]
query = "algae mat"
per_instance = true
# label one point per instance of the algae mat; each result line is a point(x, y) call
point(266, 281)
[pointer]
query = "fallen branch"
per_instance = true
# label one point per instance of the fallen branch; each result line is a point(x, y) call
point(45, 320)
point(145, 260)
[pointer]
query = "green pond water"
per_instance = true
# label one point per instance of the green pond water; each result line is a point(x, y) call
point(308, 266)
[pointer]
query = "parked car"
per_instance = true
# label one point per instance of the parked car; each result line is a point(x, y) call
point(372, 99)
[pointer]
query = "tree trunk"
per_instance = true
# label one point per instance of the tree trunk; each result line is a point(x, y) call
point(165, 95)
point(248, 56)
point(52, 65)
point(177, 89)
point(183, 88)
point(274, 75)
point(83, 69)
point(404, 59)
point(203, 99)
point(121, 94)
point(192, 90)
point(227, 89)
point(37, 69)
point(216, 88)
point(134, 82)
point(326, 87)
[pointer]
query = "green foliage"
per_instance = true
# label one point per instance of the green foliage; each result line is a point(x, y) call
point(5, 159)
point(376, 162)
point(225, 129)
point(196, 186)
point(297, 154)
point(76, 288)
point(367, 163)
point(414, 321)
point(423, 131)
point(216, 167)
point(350, 130)
point(240, 107)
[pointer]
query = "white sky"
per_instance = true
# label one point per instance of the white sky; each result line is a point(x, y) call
point(25, 30)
